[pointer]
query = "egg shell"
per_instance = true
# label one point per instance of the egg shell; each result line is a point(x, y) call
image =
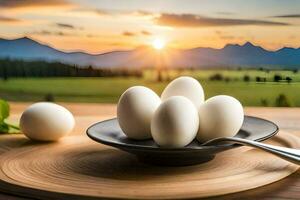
point(187, 87)
point(135, 109)
point(220, 116)
point(175, 122)
point(46, 121)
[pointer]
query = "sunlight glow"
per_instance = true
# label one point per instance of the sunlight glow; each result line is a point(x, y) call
point(158, 44)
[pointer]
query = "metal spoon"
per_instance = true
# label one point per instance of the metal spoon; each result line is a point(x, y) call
point(291, 155)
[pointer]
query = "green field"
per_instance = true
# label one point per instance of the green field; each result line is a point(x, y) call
point(108, 89)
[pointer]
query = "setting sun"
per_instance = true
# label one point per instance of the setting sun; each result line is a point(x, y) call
point(158, 44)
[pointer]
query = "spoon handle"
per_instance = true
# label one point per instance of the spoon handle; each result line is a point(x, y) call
point(289, 154)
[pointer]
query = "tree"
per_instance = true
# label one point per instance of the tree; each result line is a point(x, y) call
point(264, 102)
point(49, 97)
point(282, 101)
point(288, 79)
point(19, 68)
point(227, 79)
point(246, 78)
point(159, 77)
point(216, 77)
point(277, 78)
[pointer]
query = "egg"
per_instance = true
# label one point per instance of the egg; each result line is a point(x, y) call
point(187, 87)
point(175, 123)
point(219, 116)
point(135, 109)
point(46, 121)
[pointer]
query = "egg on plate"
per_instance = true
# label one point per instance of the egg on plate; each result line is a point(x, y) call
point(187, 87)
point(175, 122)
point(135, 109)
point(219, 116)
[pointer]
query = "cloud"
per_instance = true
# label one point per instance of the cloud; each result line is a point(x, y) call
point(46, 32)
point(127, 33)
point(189, 20)
point(101, 11)
point(91, 36)
point(68, 26)
point(287, 16)
point(141, 13)
point(146, 32)
point(130, 34)
point(121, 12)
point(226, 36)
point(30, 3)
point(114, 12)
point(225, 13)
point(97, 11)
point(8, 20)
point(292, 37)
point(42, 32)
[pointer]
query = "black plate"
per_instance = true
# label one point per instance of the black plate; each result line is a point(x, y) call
point(109, 132)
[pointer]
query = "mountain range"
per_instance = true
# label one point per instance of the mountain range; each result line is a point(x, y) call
point(232, 55)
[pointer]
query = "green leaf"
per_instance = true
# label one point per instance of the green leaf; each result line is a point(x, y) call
point(13, 129)
point(4, 128)
point(4, 110)
point(4, 114)
point(12, 126)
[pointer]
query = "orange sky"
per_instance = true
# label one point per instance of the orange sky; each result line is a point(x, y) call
point(100, 26)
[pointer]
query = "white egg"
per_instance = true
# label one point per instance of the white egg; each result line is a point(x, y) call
point(219, 116)
point(135, 109)
point(46, 121)
point(175, 122)
point(187, 87)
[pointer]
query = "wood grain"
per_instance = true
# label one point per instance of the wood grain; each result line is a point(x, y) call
point(77, 167)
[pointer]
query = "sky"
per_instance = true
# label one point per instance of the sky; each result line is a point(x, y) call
point(98, 26)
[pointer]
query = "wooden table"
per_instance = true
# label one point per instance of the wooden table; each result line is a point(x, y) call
point(288, 119)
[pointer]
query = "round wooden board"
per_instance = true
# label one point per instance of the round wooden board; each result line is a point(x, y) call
point(78, 168)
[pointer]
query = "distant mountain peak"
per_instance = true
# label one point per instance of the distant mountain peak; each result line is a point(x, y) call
point(248, 44)
point(24, 38)
point(245, 45)
point(246, 54)
point(18, 39)
point(231, 45)
point(27, 40)
point(287, 49)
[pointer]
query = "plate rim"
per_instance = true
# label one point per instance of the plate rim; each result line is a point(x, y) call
point(181, 149)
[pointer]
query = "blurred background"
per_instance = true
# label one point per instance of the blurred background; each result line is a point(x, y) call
point(91, 51)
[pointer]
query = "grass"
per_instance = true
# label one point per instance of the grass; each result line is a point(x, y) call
point(108, 90)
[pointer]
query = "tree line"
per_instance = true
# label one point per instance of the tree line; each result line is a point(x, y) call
point(247, 78)
point(20, 68)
